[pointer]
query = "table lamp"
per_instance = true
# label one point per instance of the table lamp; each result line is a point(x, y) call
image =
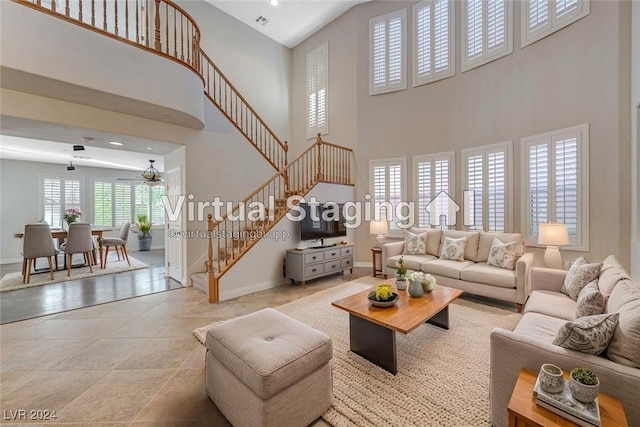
point(380, 228)
point(553, 235)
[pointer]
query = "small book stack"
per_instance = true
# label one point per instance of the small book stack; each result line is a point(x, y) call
point(563, 404)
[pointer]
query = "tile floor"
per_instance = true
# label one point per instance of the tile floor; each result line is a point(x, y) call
point(127, 363)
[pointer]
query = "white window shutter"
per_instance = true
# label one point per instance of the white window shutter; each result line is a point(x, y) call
point(387, 187)
point(103, 203)
point(433, 41)
point(434, 173)
point(566, 184)
point(541, 18)
point(122, 203)
point(52, 201)
point(538, 181)
point(475, 184)
point(425, 194)
point(496, 191)
point(317, 91)
point(387, 53)
point(487, 28)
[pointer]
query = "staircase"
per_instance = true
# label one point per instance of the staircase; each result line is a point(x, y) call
point(162, 27)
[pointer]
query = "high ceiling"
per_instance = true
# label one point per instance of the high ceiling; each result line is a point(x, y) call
point(291, 21)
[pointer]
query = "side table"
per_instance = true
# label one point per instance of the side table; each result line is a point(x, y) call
point(523, 411)
point(375, 252)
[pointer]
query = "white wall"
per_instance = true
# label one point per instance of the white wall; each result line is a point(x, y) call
point(20, 201)
point(59, 59)
point(635, 141)
point(256, 65)
point(262, 267)
point(578, 74)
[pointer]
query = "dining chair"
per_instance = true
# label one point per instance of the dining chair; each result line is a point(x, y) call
point(37, 243)
point(78, 241)
point(120, 242)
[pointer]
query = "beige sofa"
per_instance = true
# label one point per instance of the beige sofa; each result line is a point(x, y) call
point(530, 343)
point(473, 275)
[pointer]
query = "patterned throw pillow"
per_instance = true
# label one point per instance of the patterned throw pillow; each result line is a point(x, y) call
point(502, 254)
point(590, 301)
point(453, 249)
point(590, 335)
point(580, 274)
point(415, 244)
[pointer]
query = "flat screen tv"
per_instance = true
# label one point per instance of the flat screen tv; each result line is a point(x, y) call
point(326, 222)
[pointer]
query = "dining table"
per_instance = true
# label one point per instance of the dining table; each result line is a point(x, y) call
point(61, 235)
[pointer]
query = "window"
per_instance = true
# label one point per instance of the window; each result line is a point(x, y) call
point(487, 32)
point(58, 195)
point(543, 17)
point(387, 53)
point(556, 186)
point(488, 200)
point(317, 91)
point(387, 182)
point(434, 174)
point(433, 41)
point(116, 203)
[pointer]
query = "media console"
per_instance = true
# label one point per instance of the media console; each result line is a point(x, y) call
point(310, 263)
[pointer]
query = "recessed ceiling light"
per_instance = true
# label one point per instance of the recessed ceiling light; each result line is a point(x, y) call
point(149, 148)
point(115, 143)
point(274, 2)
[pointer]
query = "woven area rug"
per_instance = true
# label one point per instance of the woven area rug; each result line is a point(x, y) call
point(13, 281)
point(443, 375)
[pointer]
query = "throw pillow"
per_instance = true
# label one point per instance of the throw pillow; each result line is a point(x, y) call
point(590, 335)
point(590, 301)
point(502, 254)
point(453, 249)
point(415, 244)
point(580, 275)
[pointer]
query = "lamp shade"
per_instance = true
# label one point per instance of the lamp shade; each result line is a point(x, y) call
point(379, 227)
point(553, 234)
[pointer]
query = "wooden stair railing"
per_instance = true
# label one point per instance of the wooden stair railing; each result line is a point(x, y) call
point(233, 105)
point(164, 28)
point(230, 238)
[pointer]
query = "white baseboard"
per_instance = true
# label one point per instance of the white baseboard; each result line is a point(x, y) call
point(10, 260)
point(363, 264)
point(245, 290)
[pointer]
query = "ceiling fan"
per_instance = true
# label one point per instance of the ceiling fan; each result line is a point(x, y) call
point(151, 176)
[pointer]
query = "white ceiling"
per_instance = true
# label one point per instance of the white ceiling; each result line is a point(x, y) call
point(291, 21)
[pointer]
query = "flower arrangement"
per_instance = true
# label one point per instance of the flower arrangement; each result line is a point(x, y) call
point(400, 270)
point(71, 215)
point(383, 293)
point(427, 280)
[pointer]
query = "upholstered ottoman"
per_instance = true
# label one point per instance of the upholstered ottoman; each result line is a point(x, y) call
point(267, 369)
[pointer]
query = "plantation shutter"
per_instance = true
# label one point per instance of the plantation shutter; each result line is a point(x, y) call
point(122, 199)
point(538, 197)
point(538, 14)
point(475, 184)
point(433, 41)
point(52, 203)
point(564, 7)
point(425, 194)
point(387, 53)
point(496, 192)
point(103, 203)
point(566, 184)
point(71, 194)
point(395, 191)
point(142, 200)
point(487, 31)
point(387, 188)
point(157, 208)
point(543, 17)
point(317, 78)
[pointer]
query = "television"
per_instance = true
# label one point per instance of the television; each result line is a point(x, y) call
point(327, 221)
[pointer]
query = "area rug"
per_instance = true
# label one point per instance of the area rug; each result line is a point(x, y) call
point(13, 281)
point(443, 375)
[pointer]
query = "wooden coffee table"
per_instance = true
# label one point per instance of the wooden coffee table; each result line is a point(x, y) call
point(372, 330)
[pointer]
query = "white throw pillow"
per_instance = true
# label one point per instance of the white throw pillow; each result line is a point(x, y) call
point(415, 244)
point(590, 301)
point(589, 334)
point(502, 254)
point(453, 249)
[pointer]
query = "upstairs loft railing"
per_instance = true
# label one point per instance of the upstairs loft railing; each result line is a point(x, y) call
point(156, 25)
point(236, 232)
point(162, 27)
point(233, 105)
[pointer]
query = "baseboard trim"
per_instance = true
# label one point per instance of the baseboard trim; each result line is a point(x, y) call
point(245, 290)
point(10, 261)
point(363, 264)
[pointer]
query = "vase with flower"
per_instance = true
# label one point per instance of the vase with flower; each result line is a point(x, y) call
point(71, 215)
point(401, 274)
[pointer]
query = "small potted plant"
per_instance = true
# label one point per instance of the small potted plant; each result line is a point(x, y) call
point(71, 215)
point(401, 274)
point(383, 296)
point(143, 226)
point(584, 385)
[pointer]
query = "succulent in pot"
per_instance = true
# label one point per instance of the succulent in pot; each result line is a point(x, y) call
point(584, 385)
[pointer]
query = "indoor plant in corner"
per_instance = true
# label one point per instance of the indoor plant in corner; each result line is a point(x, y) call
point(143, 226)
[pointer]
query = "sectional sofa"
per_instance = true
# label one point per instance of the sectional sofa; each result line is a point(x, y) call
point(546, 312)
point(472, 274)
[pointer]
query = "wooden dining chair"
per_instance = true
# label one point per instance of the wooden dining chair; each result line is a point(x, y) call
point(78, 241)
point(37, 243)
point(117, 243)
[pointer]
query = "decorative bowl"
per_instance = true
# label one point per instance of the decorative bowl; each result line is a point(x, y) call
point(389, 303)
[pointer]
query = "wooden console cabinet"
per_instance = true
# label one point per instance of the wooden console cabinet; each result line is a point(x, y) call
point(307, 264)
